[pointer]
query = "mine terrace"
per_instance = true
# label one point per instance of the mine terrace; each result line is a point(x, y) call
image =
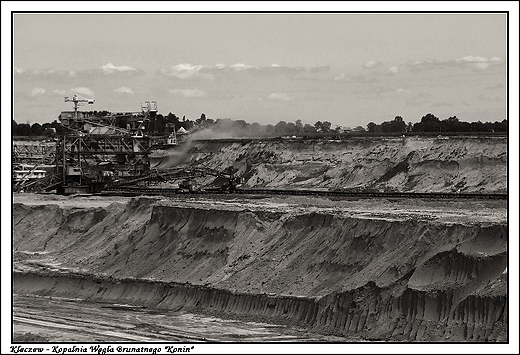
point(122, 235)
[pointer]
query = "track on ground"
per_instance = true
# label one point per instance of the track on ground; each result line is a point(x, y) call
point(136, 191)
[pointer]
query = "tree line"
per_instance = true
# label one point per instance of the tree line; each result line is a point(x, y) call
point(430, 123)
point(163, 124)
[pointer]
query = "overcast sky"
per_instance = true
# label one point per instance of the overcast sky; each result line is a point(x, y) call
point(346, 68)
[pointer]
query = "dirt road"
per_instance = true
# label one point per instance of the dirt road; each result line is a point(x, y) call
point(75, 320)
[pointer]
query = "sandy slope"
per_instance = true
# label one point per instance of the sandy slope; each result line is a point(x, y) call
point(442, 164)
point(407, 270)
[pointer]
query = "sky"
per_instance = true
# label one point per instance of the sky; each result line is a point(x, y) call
point(346, 68)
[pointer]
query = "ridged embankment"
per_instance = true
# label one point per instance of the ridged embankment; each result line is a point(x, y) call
point(405, 164)
point(359, 314)
point(334, 271)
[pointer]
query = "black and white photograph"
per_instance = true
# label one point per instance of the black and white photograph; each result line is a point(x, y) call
point(259, 177)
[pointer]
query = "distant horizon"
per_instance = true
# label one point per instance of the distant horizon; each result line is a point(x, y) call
point(346, 68)
point(239, 119)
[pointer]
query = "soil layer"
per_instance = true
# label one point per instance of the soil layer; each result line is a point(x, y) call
point(389, 270)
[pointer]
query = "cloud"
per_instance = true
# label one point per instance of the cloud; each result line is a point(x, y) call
point(124, 90)
point(356, 78)
point(54, 74)
point(24, 74)
point(188, 93)
point(111, 68)
point(82, 90)
point(476, 59)
point(469, 62)
point(187, 71)
point(280, 96)
point(372, 64)
point(320, 69)
point(273, 69)
point(240, 66)
point(37, 92)
point(276, 69)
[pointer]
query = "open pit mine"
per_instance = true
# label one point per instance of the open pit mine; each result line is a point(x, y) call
point(360, 239)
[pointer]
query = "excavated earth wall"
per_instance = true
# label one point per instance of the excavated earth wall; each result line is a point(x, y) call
point(408, 272)
point(404, 164)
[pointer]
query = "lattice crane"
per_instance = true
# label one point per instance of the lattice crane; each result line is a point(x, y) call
point(77, 102)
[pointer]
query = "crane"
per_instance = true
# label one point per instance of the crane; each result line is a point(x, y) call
point(77, 100)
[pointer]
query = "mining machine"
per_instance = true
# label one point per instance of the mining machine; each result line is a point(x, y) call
point(103, 150)
point(227, 181)
point(100, 147)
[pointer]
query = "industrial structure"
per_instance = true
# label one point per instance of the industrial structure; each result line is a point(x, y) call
point(34, 152)
point(32, 161)
point(104, 150)
point(101, 147)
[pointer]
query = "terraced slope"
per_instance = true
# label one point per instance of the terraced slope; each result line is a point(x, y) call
point(407, 164)
point(364, 269)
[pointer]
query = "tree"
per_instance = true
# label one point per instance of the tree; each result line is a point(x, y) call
point(371, 127)
point(318, 126)
point(36, 129)
point(299, 126)
point(453, 119)
point(325, 126)
point(281, 128)
point(429, 123)
point(396, 126)
point(308, 129)
point(24, 129)
point(291, 129)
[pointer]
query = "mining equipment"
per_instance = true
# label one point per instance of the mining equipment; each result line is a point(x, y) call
point(32, 161)
point(33, 152)
point(226, 181)
point(101, 146)
point(103, 150)
point(25, 176)
point(168, 141)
